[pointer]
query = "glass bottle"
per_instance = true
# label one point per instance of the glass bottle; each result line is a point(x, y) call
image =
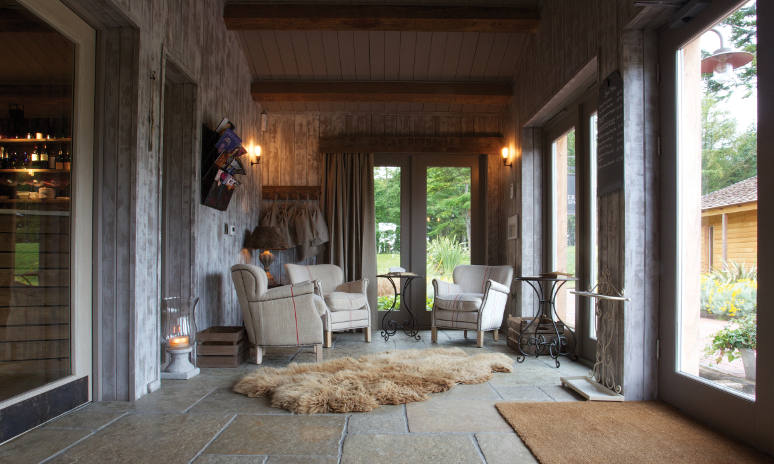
point(44, 157)
point(25, 160)
point(34, 162)
point(52, 160)
point(60, 160)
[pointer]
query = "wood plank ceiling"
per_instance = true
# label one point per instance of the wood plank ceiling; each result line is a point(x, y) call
point(369, 55)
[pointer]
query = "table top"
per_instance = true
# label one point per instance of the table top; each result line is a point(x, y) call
point(399, 275)
point(546, 278)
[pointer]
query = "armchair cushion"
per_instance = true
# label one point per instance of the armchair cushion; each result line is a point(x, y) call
point(342, 316)
point(356, 286)
point(450, 318)
point(459, 301)
point(342, 301)
point(287, 291)
point(446, 288)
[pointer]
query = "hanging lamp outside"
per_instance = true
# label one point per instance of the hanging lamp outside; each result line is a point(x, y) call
point(723, 61)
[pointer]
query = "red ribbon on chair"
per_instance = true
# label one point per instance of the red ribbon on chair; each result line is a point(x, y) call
point(293, 299)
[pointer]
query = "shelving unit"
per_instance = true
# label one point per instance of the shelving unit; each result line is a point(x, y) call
point(59, 140)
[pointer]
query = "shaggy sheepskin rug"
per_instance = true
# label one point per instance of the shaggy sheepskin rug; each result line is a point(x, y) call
point(362, 384)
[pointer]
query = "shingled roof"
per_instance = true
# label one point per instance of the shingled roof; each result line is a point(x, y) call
point(743, 191)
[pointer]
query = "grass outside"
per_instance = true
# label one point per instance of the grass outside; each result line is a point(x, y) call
point(26, 263)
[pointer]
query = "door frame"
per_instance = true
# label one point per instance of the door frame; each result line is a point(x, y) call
point(734, 414)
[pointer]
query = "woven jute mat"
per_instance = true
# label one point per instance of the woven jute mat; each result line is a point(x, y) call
point(628, 432)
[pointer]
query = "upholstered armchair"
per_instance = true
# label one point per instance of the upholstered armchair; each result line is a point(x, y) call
point(290, 315)
point(475, 301)
point(346, 302)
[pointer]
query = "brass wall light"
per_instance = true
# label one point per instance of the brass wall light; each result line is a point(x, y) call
point(506, 152)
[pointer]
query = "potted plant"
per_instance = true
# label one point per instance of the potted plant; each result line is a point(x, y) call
point(738, 340)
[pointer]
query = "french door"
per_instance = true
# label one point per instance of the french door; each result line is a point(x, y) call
point(570, 140)
point(709, 222)
point(428, 220)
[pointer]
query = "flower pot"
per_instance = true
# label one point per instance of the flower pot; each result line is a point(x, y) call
point(748, 359)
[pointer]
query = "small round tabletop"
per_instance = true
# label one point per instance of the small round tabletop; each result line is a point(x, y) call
point(546, 278)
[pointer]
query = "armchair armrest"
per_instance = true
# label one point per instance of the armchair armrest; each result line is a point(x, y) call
point(498, 287)
point(445, 288)
point(356, 286)
point(287, 291)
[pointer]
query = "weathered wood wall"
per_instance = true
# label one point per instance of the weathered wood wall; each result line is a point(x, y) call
point(741, 239)
point(136, 38)
point(290, 154)
point(571, 35)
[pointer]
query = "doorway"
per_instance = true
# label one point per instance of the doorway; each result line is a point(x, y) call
point(428, 220)
point(178, 174)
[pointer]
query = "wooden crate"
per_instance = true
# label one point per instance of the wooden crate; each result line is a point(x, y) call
point(517, 325)
point(221, 347)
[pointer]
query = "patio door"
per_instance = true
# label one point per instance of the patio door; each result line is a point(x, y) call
point(428, 220)
point(571, 140)
point(710, 219)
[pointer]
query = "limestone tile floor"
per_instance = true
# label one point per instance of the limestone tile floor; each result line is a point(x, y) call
point(201, 421)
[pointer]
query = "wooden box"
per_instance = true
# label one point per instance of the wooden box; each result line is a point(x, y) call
point(221, 347)
point(517, 325)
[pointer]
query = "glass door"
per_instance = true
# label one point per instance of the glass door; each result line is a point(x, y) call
point(710, 251)
point(45, 199)
point(425, 208)
point(572, 224)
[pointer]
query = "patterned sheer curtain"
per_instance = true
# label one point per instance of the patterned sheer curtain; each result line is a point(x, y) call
point(348, 206)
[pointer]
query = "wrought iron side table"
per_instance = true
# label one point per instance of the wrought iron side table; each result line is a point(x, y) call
point(390, 326)
point(544, 321)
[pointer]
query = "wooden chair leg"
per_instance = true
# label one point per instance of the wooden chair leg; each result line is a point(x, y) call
point(496, 334)
point(434, 335)
point(256, 354)
point(328, 339)
point(318, 352)
point(480, 338)
point(465, 334)
point(367, 332)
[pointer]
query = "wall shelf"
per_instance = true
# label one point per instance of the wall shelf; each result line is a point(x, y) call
point(59, 140)
point(35, 170)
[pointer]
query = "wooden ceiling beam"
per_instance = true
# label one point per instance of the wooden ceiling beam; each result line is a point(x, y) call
point(484, 93)
point(339, 17)
point(411, 144)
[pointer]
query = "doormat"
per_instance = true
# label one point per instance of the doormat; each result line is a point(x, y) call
point(628, 432)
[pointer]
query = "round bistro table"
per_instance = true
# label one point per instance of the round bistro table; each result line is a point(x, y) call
point(390, 326)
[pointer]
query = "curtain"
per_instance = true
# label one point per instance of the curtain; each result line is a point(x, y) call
point(348, 205)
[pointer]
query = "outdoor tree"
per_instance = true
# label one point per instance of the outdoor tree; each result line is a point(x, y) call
point(729, 155)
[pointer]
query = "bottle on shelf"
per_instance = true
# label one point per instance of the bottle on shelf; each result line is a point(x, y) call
point(34, 158)
point(44, 157)
point(67, 160)
point(3, 159)
point(52, 160)
point(25, 160)
point(60, 160)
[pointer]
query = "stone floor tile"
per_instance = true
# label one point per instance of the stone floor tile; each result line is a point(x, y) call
point(559, 393)
point(225, 400)
point(227, 459)
point(170, 400)
point(524, 393)
point(164, 438)
point(36, 445)
point(385, 419)
point(92, 416)
point(303, 460)
point(478, 391)
point(499, 448)
point(446, 449)
point(438, 415)
point(278, 434)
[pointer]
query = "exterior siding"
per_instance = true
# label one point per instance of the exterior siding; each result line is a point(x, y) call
point(741, 236)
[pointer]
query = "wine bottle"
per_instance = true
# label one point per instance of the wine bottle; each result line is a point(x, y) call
point(60, 160)
point(67, 160)
point(52, 160)
point(44, 157)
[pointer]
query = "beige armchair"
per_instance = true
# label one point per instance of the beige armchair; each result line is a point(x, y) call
point(346, 302)
point(283, 316)
point(475, 301)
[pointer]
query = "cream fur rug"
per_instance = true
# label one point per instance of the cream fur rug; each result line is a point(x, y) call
point(362, 384)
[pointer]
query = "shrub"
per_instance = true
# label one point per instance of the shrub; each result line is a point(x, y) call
point(729, 341)
point(730, 292)
point(446, 253)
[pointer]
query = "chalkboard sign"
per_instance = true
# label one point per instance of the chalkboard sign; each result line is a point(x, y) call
point(610, 135)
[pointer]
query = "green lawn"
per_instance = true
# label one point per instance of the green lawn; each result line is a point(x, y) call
point(26, 263)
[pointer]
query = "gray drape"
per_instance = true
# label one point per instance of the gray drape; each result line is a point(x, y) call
point(348, 205)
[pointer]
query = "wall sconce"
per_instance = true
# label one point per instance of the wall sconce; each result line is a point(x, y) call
point(506, 154)
point(256, 155)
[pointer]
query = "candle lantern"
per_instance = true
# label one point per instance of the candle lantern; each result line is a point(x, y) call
point(178, 336)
